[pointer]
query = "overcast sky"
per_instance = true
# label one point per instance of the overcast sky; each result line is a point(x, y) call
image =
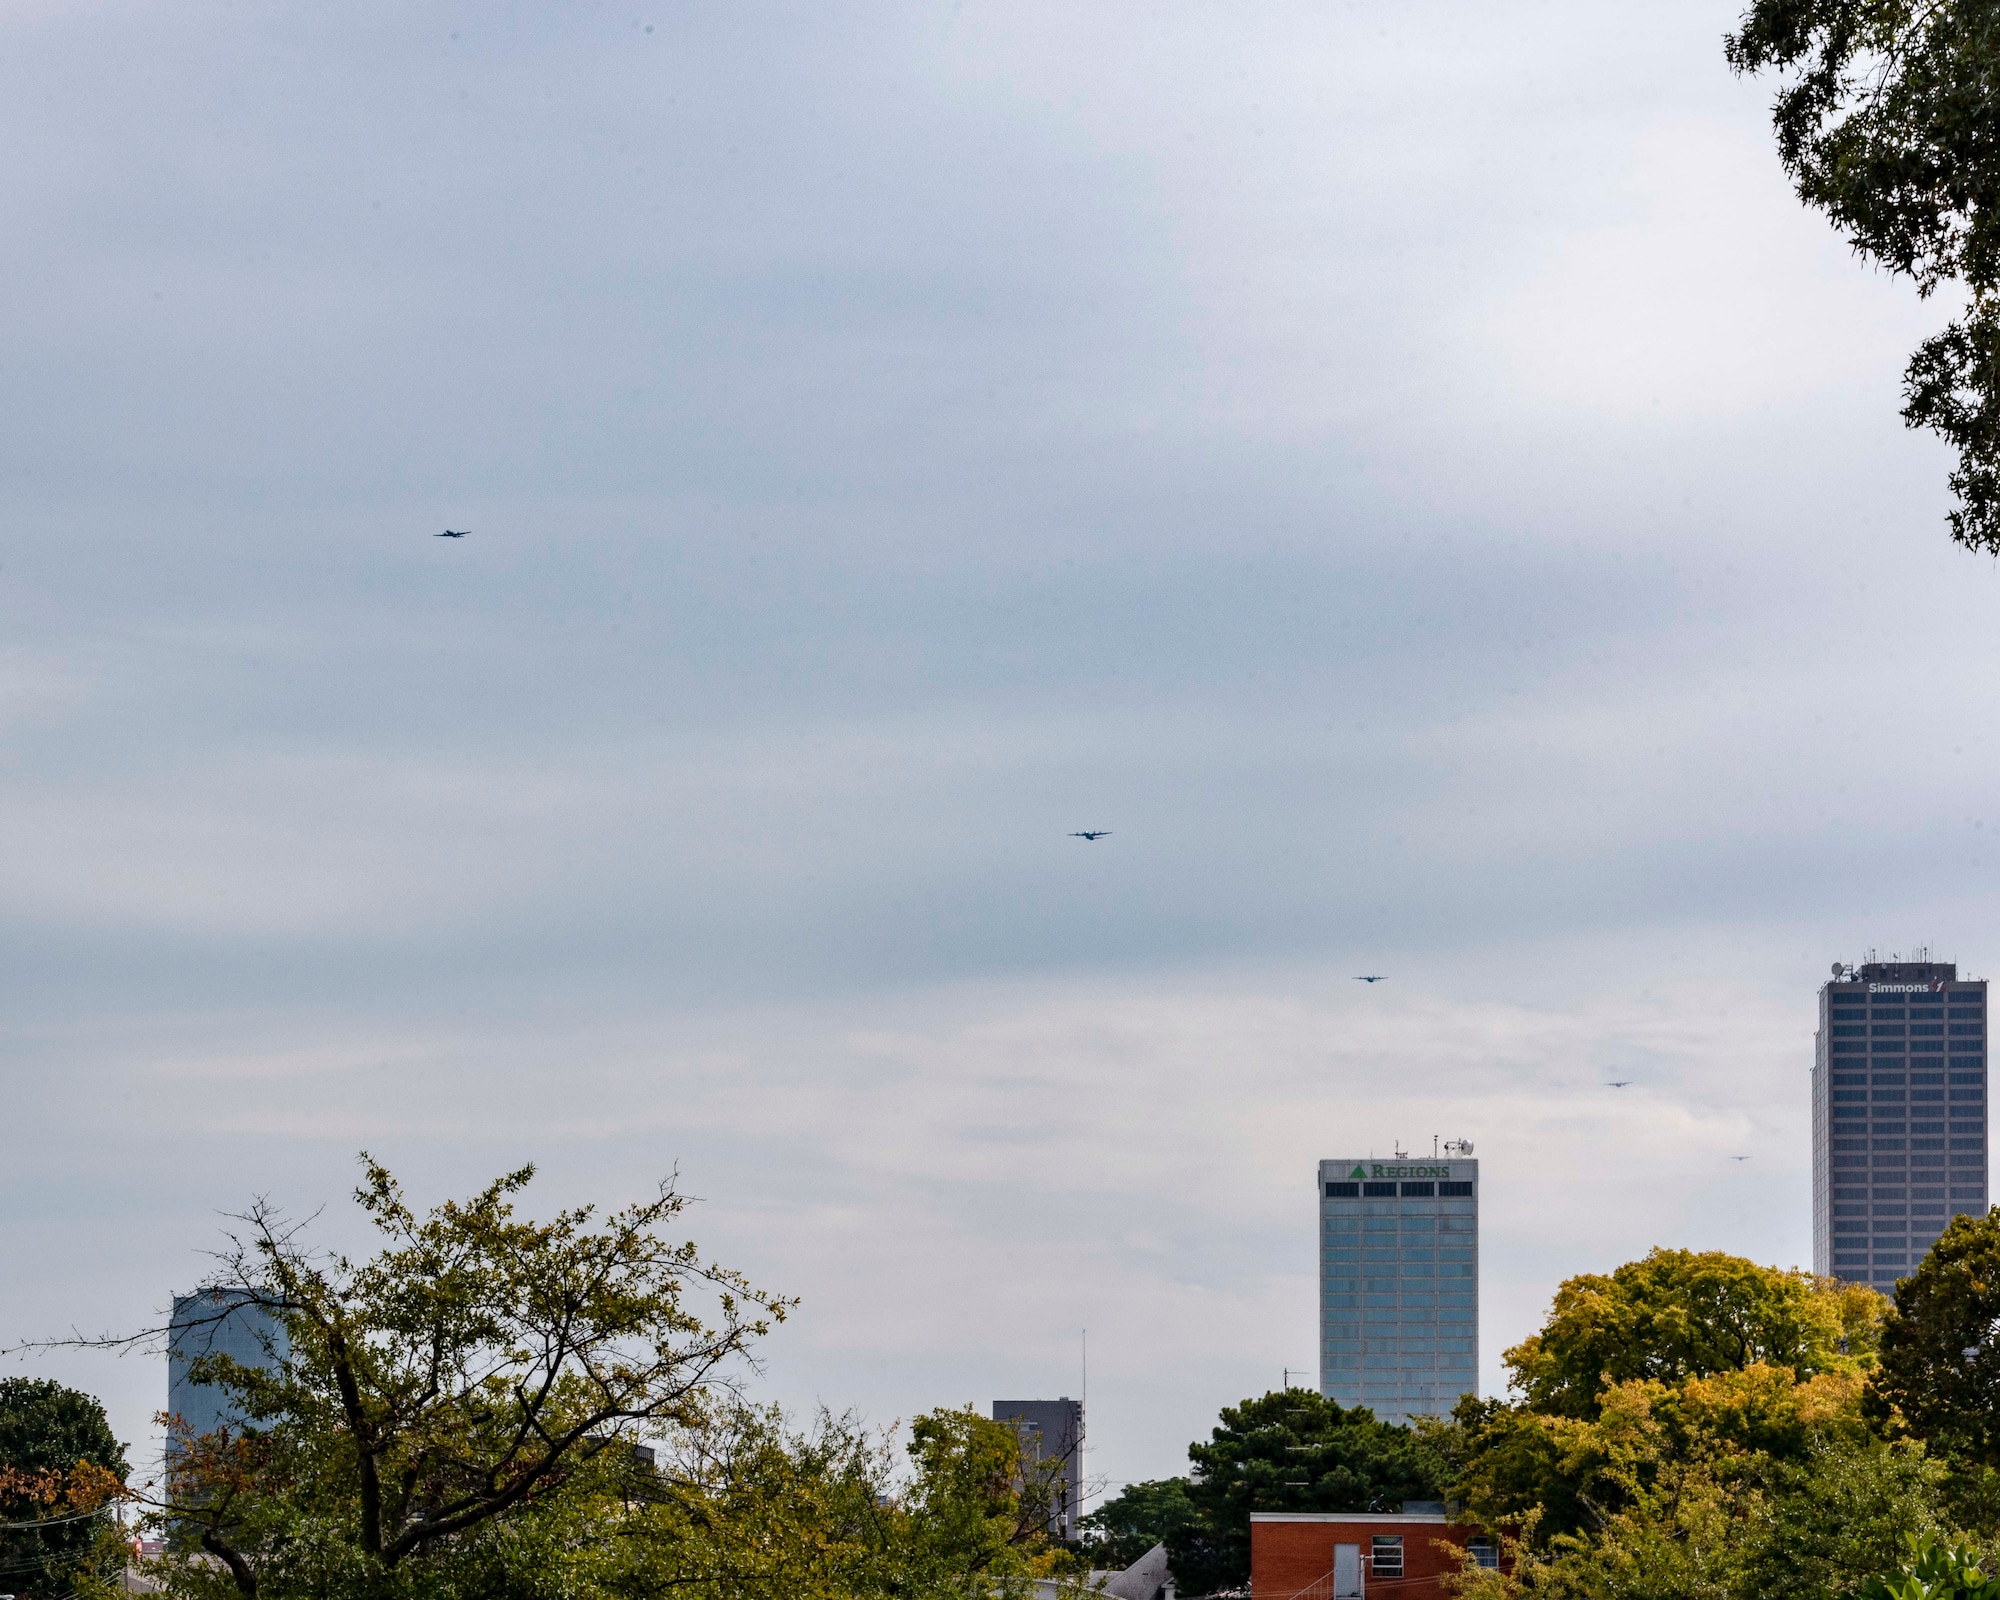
point(1411, 471)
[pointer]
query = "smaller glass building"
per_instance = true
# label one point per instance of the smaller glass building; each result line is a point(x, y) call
point(1399, 1284)
point(220, 1321)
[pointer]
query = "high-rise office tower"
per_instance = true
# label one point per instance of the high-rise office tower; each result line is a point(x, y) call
point(1898, 1115)
point(1399, 1283)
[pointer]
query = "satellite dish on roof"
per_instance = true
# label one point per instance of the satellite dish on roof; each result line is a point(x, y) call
point(1837, 969)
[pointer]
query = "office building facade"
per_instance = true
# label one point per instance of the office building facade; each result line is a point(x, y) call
point(1051, 1435)
point(1898, 1115)
point(1399, 1284)
point(219, 1321)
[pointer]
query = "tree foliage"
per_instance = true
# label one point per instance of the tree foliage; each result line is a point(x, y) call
point(1680, 1314)
point(1885, 121)
point(439, 1397)
point(1692, 1425)
point(499, 1409)
point(745, 1508)
point(60, 1469)
point(1141, 1515)
point(1940, 1370)
point(1935, 1571)
point(978, 1509)
point(1291, 1450)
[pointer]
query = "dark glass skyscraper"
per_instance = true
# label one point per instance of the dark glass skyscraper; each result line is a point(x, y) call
point(1899, 1115)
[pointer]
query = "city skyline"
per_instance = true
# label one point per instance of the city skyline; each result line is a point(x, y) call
point(1387, 468)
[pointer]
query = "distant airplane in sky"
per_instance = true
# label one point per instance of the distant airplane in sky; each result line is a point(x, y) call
point(1092, 833)
point(1619, 1083)
point(1739, 1158)
point(449, 534)
point(1370, 977)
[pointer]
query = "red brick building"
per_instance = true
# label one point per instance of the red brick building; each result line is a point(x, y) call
point(1358, 1555)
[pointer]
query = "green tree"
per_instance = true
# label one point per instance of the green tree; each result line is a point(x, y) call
point(1138, 1517)
point(1692, 1424)
point(977, 1510)
point(1843, 1514)
point(743, 1507)
point(1884, 121)
point(1939, 1375)
point(1934, 1571)
point(1673, 1502)
point(452, 1410)
point(1291, 1450)
point(1680, 1314)
point(45, 1431)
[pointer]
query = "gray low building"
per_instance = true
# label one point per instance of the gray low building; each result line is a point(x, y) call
point(217, 1320)
point(1050, 1431)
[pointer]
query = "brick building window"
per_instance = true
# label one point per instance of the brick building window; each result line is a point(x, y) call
point(1485, 1552)
point(1385, 1555)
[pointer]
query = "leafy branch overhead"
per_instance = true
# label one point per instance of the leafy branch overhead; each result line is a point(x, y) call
point(1885, 121)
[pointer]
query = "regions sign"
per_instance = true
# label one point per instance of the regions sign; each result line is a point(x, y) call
point(1377, 1169)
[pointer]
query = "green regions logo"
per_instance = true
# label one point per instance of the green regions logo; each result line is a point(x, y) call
point(1378, 1170)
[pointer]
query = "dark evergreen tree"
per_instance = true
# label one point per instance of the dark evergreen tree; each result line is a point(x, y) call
point(47, 1428)
point(1940, 1368)
point(1291, 1450)
point(1140, 1516)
